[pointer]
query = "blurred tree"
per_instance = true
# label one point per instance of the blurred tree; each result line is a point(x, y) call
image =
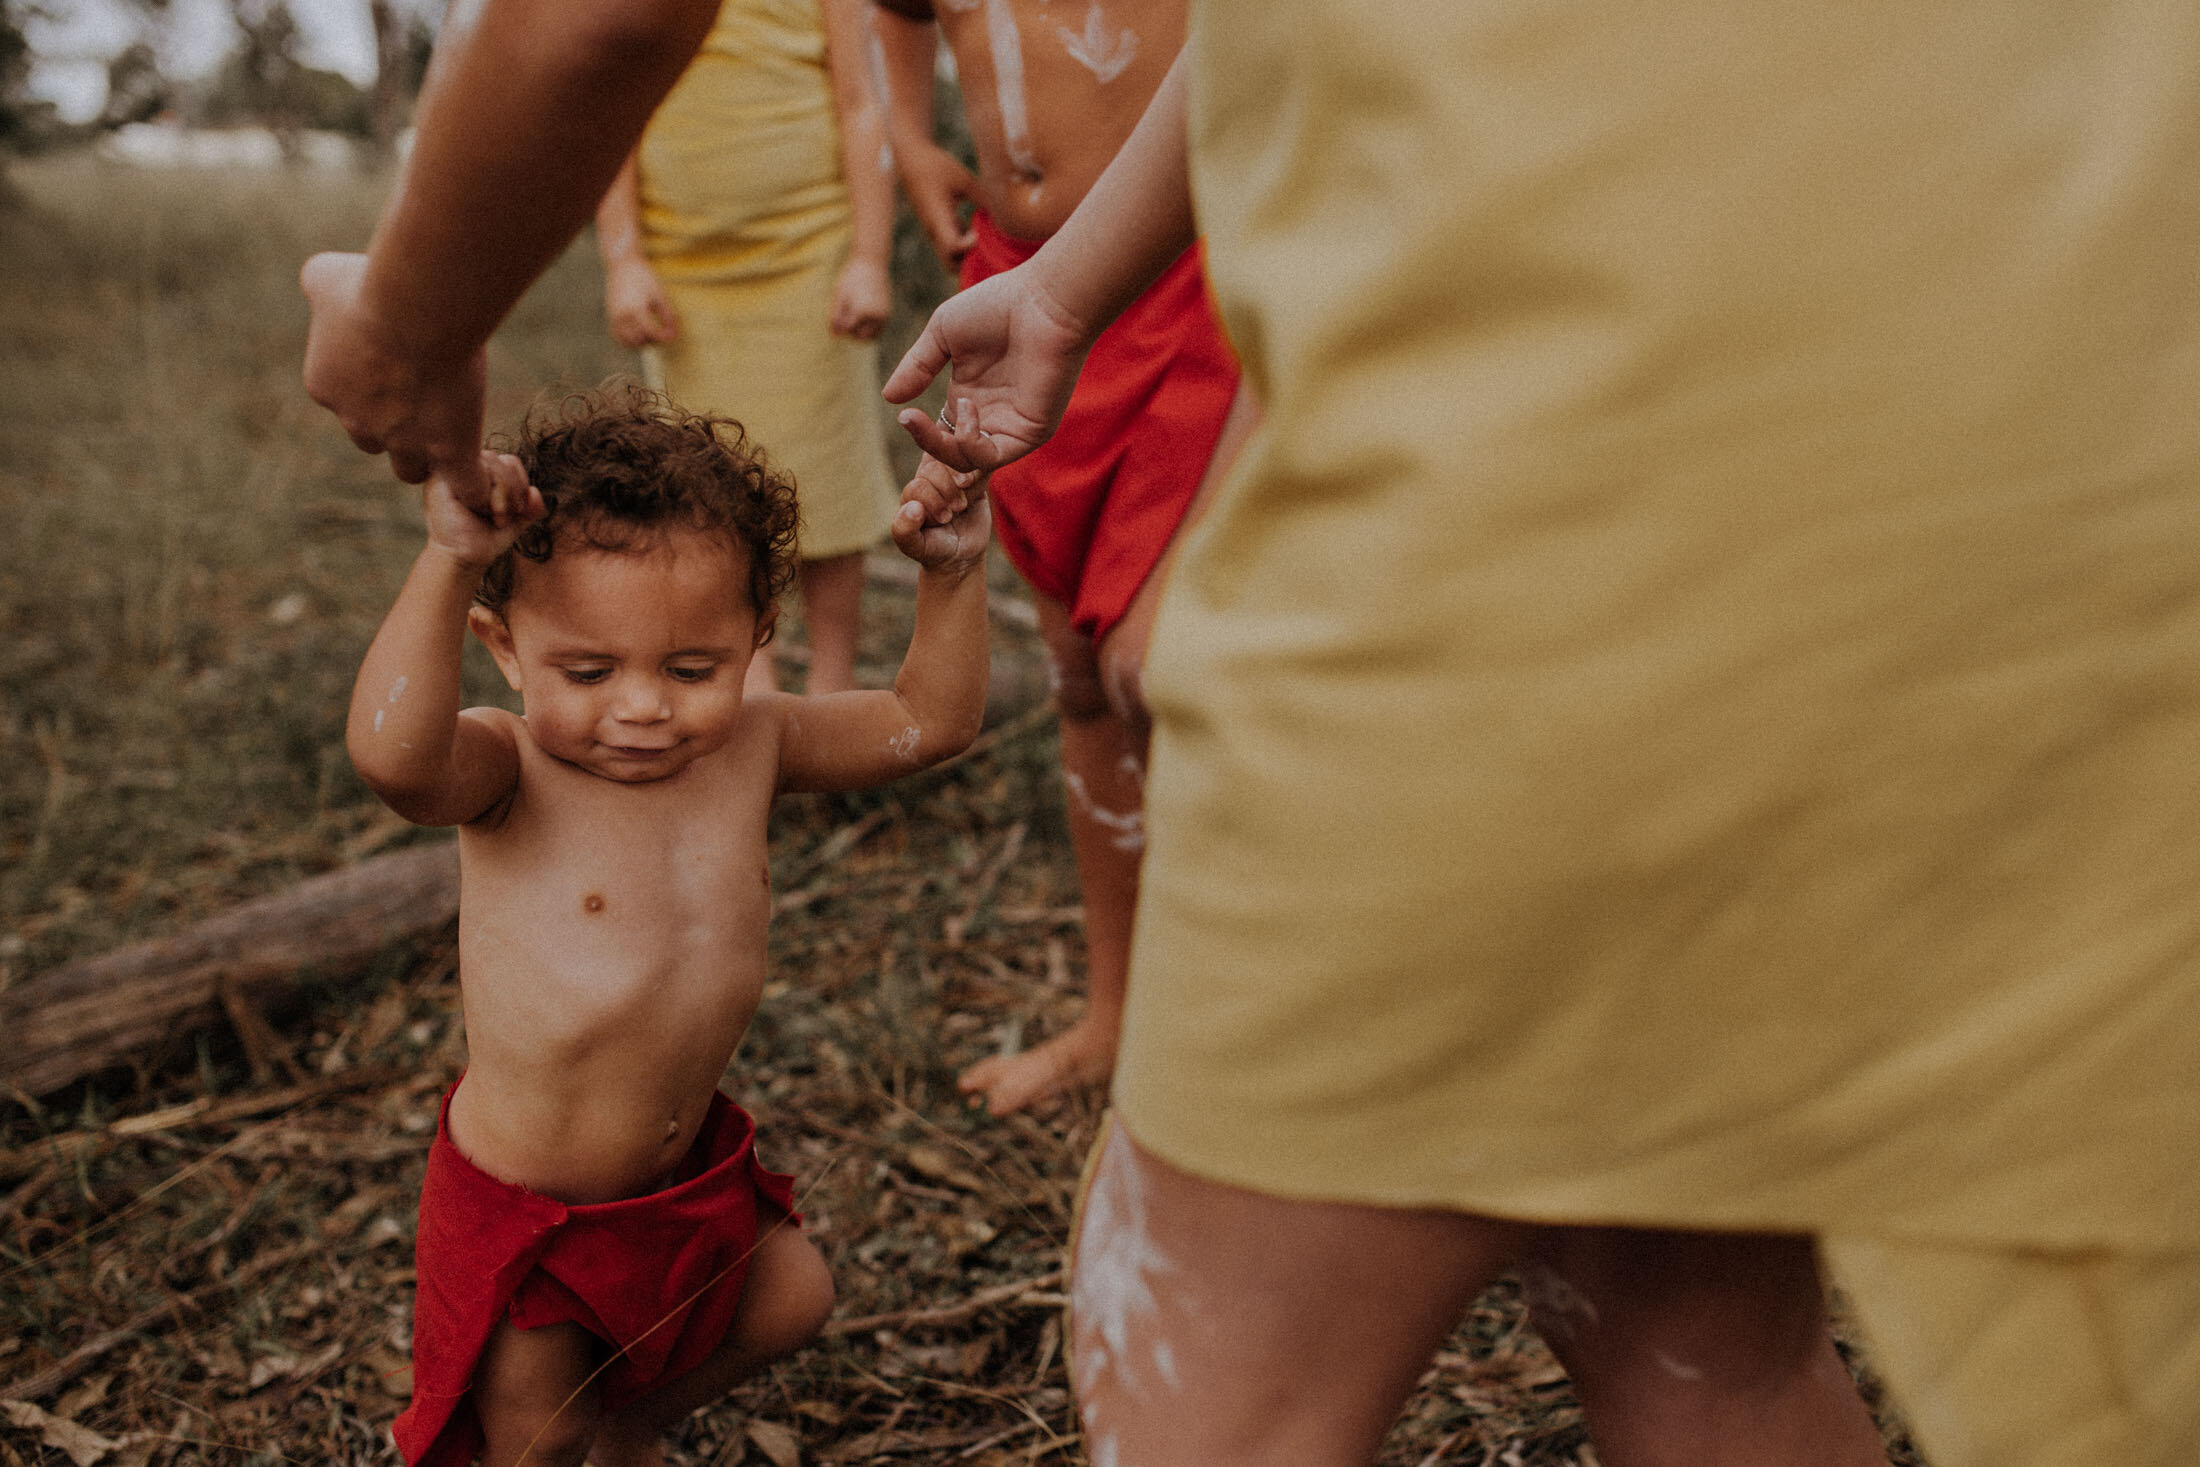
point(137, 89)
point(263, 82)
point(403, 41)
point(24, 120)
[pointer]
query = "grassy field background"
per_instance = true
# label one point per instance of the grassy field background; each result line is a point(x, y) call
point(210, 1260)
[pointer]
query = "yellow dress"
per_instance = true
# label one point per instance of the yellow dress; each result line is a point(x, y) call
point(1688, 711)
point(745, 219)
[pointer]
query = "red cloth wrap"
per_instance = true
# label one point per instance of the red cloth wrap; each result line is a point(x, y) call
point(656, 1277)
point(1086, 517)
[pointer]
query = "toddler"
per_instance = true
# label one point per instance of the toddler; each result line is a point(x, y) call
point(600, 1252)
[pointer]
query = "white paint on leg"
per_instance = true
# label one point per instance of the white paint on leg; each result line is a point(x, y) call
point(1678, 1369)
point(1118, 1269)
point(397, 689)
point(1558, 1304)
point(1128, 827)
point(904, 744)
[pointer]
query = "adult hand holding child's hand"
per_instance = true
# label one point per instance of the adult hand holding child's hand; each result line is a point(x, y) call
point(944, 521)
point(390, 398)
point(470, 539)
point(1015, 353)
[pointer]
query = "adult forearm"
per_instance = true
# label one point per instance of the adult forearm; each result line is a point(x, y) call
point(528, 115)
point(1134, 222)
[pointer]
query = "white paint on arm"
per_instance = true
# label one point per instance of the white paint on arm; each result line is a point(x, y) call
point(397, 689)
point(1099, 48)
point(904, 744)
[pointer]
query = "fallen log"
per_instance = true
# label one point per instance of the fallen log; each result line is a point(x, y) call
point(86, 1015)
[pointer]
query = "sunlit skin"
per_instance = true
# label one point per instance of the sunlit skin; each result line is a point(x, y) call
point(1045, 127)
point(612, 851)
point(1073, 122)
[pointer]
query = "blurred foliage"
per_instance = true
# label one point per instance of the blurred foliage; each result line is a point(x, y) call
point(196, 556)
point(24, 120)
point(263, 81)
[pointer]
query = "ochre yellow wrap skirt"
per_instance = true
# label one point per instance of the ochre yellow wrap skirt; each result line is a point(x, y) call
point(745, 219)
point(1688, 711)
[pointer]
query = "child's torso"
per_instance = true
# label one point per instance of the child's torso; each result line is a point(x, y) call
point(611, 954)
point(1052, 90)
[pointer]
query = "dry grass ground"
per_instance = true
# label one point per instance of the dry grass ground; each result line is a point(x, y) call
point(204, 1263)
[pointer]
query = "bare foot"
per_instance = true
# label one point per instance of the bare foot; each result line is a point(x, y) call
point(1081, 1055)
point(620, 1445)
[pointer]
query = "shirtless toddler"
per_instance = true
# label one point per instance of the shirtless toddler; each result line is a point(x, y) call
point(599, 1250)
point(1052, 91)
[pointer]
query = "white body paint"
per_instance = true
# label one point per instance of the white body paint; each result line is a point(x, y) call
point(1007, 45)
point(1558, 1304)
point(378, 713)
point(904, 744)
point(1129, 826)
point(1099, 49)
point(1118, 1269)
point(397, 689)
point(1678, 1369)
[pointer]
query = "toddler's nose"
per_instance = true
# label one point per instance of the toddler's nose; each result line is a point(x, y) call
point(640, 702)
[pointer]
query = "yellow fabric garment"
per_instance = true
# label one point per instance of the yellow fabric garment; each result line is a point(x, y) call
point(2027, 1358)
point(745, 218)
point(1688, 711)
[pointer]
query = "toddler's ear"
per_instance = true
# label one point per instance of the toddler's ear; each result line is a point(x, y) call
point(767, 624)
point(496, 635)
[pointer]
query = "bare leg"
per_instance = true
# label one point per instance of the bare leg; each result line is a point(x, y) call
point(832, 610)
point(530, 1393)
point(1103, 775)
point(784, 1304)
point(1699, 1348)
point(1215, 1327)
point(1105, 732)
point(1195, 1304)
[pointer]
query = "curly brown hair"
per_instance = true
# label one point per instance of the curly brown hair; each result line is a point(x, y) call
point(622, 463)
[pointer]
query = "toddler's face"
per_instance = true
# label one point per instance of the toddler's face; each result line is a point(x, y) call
point(629, 663)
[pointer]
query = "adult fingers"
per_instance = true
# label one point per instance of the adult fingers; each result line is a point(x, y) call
point(924, 360)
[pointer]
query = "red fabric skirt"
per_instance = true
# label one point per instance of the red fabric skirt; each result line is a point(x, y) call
point(1086, 517)
point(657, 1278)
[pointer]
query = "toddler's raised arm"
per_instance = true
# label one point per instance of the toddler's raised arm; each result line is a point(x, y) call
point(406, 735)
point(851, 740)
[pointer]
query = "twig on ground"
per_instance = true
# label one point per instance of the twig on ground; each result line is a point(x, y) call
point(62, 1371)
point(1000, 1294)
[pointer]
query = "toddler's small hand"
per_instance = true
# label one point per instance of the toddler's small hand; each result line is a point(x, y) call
point(944, 521)
point(862, 300)
point(475, 539)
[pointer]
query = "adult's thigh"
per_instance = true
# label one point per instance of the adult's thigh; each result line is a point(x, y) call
point(1217, 1326)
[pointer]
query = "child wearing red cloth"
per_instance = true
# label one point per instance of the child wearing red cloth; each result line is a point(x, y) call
point(599, 1251)
point(1157, 417)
